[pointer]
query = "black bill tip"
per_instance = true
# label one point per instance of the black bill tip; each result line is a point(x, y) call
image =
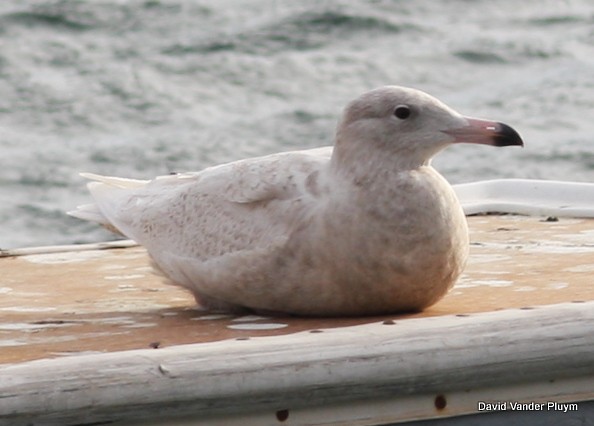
point(506, 136)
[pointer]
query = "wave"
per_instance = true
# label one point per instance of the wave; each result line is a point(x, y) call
point(306, 31)
point(43, 19)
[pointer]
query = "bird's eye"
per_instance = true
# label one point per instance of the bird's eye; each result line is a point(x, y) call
point(402, 112)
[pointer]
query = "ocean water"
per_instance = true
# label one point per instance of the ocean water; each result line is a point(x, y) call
point(141, 88)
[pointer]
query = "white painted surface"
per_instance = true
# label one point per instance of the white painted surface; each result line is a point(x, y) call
point(496, 353)
point(529, 197)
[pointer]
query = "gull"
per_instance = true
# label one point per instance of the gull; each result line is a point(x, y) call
point(366, 227)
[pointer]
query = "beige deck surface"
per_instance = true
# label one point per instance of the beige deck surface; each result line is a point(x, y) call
point(61, 304)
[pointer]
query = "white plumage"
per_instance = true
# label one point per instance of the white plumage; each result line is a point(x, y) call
point(368, 228)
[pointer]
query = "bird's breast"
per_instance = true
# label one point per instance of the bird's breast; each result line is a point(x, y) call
point(412, 235)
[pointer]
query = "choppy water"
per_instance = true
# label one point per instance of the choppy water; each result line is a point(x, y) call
point(140, 88)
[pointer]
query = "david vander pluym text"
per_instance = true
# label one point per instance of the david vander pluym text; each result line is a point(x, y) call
point(526, 406)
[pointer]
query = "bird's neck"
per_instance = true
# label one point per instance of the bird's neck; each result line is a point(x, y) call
point(371, 167)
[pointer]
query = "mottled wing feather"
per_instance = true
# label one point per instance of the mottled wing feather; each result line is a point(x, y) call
point(240, 206)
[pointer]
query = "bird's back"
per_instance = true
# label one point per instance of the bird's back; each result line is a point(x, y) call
point(236, 212)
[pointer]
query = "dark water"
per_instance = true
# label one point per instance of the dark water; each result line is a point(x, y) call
point(141, 88)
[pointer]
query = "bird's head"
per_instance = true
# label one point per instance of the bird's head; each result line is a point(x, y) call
point(409, 127)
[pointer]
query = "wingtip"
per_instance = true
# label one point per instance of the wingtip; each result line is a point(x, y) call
point(88, 212)
point(90, 176)
point(114, 181)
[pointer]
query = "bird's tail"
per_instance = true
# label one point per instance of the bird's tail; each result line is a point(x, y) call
point(98, 188)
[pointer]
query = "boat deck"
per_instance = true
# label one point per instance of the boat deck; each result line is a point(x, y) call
point(99, 322)
point(87, 301)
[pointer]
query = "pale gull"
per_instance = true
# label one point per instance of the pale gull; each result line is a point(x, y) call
point(366, 228)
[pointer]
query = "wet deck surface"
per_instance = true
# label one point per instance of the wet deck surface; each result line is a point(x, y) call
point(62, 304)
